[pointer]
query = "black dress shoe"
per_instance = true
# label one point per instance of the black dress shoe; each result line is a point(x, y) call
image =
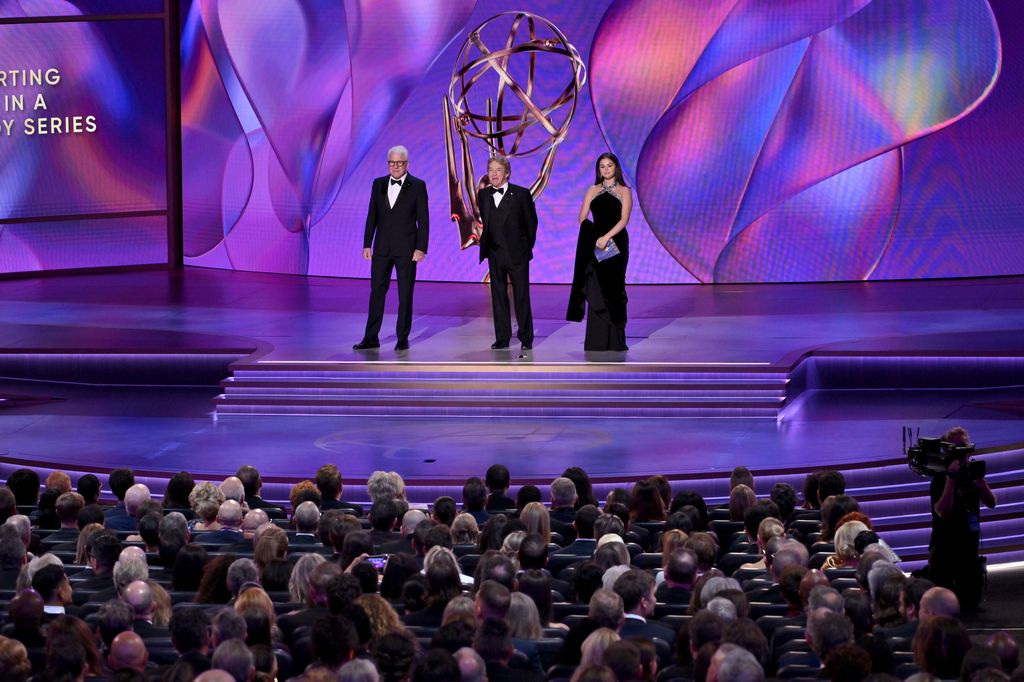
point(366, 344)
point(527, 346)
point(403, 344)
point(499, 345)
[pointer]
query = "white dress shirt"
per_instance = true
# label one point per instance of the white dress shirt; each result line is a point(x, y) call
point(394, 189)
point(498, 197)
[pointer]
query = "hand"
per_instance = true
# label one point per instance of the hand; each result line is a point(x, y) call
point(361, 557)
point(954, 468)
point(602, 243)
point(367, 254)
point(417, 256)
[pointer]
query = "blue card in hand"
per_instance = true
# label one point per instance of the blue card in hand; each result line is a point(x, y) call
point(609, 251)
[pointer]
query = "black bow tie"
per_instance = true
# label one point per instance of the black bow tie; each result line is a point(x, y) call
point(396, 182)
point(500, 190)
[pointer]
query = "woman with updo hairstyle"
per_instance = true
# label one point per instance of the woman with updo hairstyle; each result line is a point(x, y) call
point(510, 546)
point(845, 554)
point(537, 519)
point(465, 530)
point(205, 500)
point(740, 500)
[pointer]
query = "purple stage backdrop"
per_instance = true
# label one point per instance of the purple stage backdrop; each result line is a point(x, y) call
point(82, 136)
point(767, 140)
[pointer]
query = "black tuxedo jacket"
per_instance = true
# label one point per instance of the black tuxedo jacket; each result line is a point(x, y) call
point(400, 230)
point(513, 224)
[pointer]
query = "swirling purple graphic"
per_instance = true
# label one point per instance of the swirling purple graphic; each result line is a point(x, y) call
point(281, 104)
point(768, 143)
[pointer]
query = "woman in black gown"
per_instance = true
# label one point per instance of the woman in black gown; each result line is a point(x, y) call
point(600, 286)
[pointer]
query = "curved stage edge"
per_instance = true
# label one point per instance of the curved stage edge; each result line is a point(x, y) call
point(205, 370)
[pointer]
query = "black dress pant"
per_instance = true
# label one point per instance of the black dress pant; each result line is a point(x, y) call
point(380, 281)
point(502, 270)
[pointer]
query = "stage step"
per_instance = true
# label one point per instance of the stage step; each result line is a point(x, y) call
point(503, 389)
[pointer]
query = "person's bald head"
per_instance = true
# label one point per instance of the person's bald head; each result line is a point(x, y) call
point(135, 496)
point(214, 675)
point(411, 519)
point(233, 489)
point(128, 651)
point(230, 514)
point(27, 609)
point(307, 516)
point(471, 666)
point(253, 520)
point(939, 601)
point(139, 596)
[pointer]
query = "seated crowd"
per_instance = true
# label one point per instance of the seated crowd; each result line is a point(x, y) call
point(214, 583)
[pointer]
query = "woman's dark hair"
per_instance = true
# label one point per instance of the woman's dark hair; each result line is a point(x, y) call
point(47, 519)
point(691, 498)
point(178, 488)
point(536, 585)
point(619, 180)
point(213, 587)
point(584, 488)
point(275, 575)
point(189, 567)
point(838, 507)
point(585, 581)
point(356, 543)
point(491, 534)
point(399, 568)
point(645, 503)
point(811, 491)
point(940, 645)
point(526, 495)
point(414, 593)
point(443, 582)
point(89, 488)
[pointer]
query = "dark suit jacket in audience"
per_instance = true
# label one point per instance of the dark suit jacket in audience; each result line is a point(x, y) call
point(273, 511)
point(383, 537)
point(672, 595)
point(147, 630)
point(60, 536)
point(500, 673)
point(581, 547)
point(290, 622)
point(637, 628)
point(342, 504)
point(429, 617)
point(303, 539)
point(224, 536)
point(498, 503)
point(402, 546)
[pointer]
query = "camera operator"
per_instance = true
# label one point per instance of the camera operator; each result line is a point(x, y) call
point(954, 559)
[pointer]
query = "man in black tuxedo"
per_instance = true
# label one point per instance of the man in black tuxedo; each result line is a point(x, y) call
point(509, 232)
point(397, 227)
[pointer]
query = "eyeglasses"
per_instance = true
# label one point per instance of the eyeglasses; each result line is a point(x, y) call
point(397, 164)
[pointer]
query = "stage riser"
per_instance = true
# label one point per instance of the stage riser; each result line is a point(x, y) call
point(460, 391)
point(469, 410)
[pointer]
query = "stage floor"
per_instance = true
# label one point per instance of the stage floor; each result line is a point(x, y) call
point(285, 318)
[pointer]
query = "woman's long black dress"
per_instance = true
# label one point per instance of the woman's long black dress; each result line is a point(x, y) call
point(600, 287)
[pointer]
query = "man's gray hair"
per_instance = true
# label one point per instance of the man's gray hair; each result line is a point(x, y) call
point(175, 521)
point(879, 573)
point(359, 670)
point(382, 485)
point(471, 665)
point(227, 624)
point(723, 608)
point(825, 597)
point(738, 664)
point(234, 658)
point(129, 568)
point(240, 572)
point(307, 516)
point(23, 525)
point(563, 492)
point(503, 160)
point(400, 150)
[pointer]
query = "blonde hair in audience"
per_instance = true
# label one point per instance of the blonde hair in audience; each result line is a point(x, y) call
point(383, 618)
point(524, 618)
point(536, 518)
point(82, 554)
point(592, 651)
point(298, 582)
